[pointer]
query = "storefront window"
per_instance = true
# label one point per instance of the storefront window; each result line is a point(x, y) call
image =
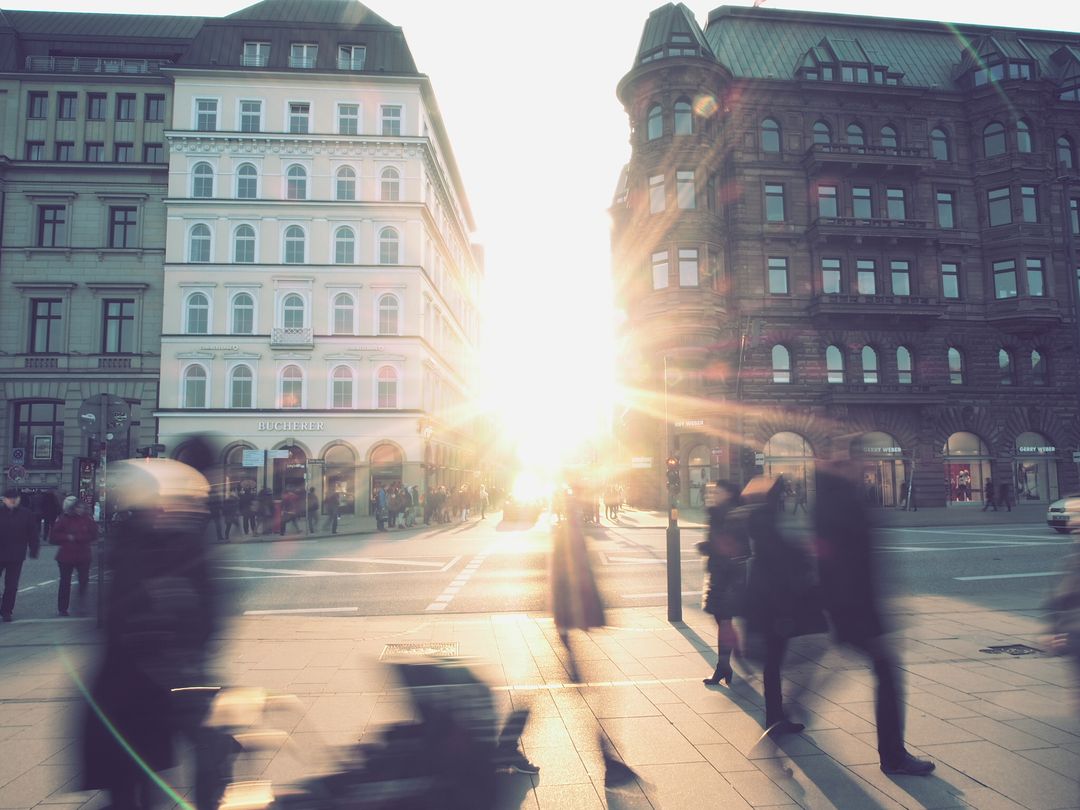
point(290, 473)
point(700, 468)
point(790, 455)
point(1034, 469)
point(387, 467)
point(967, 467)
point(339, 477)
point(237, 476)
point(884, 474)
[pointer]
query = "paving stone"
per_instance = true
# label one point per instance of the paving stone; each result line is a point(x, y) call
point(757, 788)
point(649, 741)
point(686, 785)
point(1043, 730)
point(845, 748)
point(559, 764)
point(818, 782)
point(725, 757)
point(1000, 733)
point(619, 701)
point(568, 797)
point(1060, 760)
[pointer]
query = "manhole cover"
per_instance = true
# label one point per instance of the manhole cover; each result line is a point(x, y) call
point(1011, 649)
point(429, 649)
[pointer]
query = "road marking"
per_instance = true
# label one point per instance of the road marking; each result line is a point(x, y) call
point(387, 561)
point(40, 584)
point(657, 595)
point(1010, 576)
point(285, 611)
point(451, 590)
point(972, 547)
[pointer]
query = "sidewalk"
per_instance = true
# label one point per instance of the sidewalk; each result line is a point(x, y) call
point(1003, 730)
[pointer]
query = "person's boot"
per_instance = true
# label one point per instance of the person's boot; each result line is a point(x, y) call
point(723, 671)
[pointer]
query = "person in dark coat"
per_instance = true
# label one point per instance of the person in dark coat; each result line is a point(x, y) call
point(265, 508)
point(75, 532)
point(849, 586)
point(988, 495)
point(230, 513)
point(725, 576)
point(49, 509)
point(1005, 497)
point(333, 510)
point(19, 536)
point(312, 510)
point(246, 505)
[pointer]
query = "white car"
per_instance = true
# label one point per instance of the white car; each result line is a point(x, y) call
point(1064, 514)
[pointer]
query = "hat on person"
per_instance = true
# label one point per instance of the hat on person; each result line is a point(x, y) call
point(12, 492)
point(69, 502)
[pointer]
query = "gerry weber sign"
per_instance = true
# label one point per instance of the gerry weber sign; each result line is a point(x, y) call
point(287, 426)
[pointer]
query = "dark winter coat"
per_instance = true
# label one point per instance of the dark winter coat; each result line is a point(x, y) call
point(725, 569)
point(18, 534)
point(75, 534)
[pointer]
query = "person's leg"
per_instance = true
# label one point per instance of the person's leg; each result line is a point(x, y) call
point(774, 699)
point(725, 643)
point(12, 569)
point(83, 571)
point(63, 595)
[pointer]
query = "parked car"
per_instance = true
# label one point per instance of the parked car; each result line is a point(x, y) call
point(1064, 514)
point(525, 510)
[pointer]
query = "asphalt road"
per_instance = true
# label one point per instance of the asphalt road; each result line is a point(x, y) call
point(492, 566)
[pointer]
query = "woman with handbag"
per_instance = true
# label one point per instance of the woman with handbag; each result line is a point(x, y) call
point(75, 532)
point(725, 576)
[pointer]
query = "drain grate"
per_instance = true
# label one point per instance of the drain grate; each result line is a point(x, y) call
point(1011, 649)
point(429, 649)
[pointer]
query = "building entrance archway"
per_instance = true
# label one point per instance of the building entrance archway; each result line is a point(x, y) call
point(967, 467)
point(790, 455)
point(883, 469)
point(387, 468)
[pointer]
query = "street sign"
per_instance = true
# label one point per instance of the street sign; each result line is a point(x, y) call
point(16, 473)
point(759, 459)
point(641, 463)
point(272, 454)
point(1076, 456)
point(252, 458)
point(103, 416)
point(18, 455)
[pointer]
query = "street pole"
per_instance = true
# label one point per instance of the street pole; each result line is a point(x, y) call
point(674, 541)
point(1070, 257)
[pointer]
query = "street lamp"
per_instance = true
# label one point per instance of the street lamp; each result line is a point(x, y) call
point(674, 541)
point(1071, 219)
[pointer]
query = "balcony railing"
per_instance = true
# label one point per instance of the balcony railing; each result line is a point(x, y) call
point(1024, 315)
point(292, 337)
point(874, 228)
point(882, 393)
point(306, 62)
point(345, 63)
point(114, 362)
point(882, 310)
point(86, 64)
point(41, 362)
point(867, 156)
point(252, 60)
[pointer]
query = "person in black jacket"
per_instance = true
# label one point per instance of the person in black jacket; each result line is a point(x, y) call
point(19, 534)
point(725, 576)
point(849, 586)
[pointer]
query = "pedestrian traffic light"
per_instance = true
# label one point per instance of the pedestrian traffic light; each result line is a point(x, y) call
point(150, 451)
point(673, 473)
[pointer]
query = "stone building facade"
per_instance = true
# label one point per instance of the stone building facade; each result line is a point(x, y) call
point(851, 237)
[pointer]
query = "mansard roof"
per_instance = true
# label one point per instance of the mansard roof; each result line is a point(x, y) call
point(671, 30)
point(327, 12)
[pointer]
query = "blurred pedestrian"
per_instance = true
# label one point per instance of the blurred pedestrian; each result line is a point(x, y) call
point(1005, 495)
point(849, 586)
point(988, 495)
point(333, 504)
point(290, 510)
point(75, 532)
point(1064, 608)
point(19, 537)
point(576, 605)
point(230, 513)
point(725, 576)
point(800, 497)
point(312, 510)
point(49, 509)
point(216, 506)
point(265, 509)
point(381, 508)
point(246, 506)
point(483, 502)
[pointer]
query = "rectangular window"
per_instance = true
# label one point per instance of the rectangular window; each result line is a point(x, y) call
point(125, 107)
point(299, 117)
point(950, 280)
point(118, 326)
point(391, 120)
point(122, 227)
point(250, 116)
point(861, 207)
point(945, 209)
point(256, 54)
point(685, 193)
point(862, 75)
point(1074, 215)
point(206, 114)
point(351, 57)
point(866, 276)
point(778, 275)
point(1005, 279)
point(155, 108)
point(37, 105)
point(660, 270)
point(303, 55)
point(831, 283)
point(774, 202)
point(125, 153)
point(688, 267)
point(45, 333)
point(153, 153)
point(52, 226)
point(901, 277)
point(65, 150)
point(827, 207)
point(999, 206)
point(95, 153)
point(35, 150)
point(1036, 278)
point(847, 74)
point(348, 118)
point(39, 430)
point(67, 106)
point(896, 205)
point(95, 106)
point(1029, 200)
point(656, 194)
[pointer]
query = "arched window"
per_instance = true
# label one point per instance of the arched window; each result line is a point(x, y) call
point(905, 370)
point(993, 139)
point(654, 126)
point(956, 366)
point(1023, 136)
point(834, 364)
point(199, 243)
point(889, 139)
point(344, 246)
point(387, 385)
point(390, 184)
point(244, 244)
point(1064, 152)
point(939, 144)
point(294, 245)
point(343, 314)
point(202, 181)
point(292, 387)
point(869, 365)
point(243, 314)
point(345, 187)
point(1005, 367)
point(341, 395)
point(1038, 368)
point(388, 315)
point(241, 387)
point(822, 132)
point(195, 387)
point(770, 136)
point(296, 183)
point(781, 364)
point(684, 120)
point(856, 137)
point(197, 314)
point(388, 246)
point(292, 312)
point(247, 182)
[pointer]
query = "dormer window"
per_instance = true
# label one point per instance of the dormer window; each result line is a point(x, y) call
point(303, 55)
point(256, 54)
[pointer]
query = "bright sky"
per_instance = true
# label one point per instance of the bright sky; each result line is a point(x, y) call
point(528, 96)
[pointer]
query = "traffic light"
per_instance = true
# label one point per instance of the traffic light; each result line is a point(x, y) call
point(150, 451)
point(673, 474)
